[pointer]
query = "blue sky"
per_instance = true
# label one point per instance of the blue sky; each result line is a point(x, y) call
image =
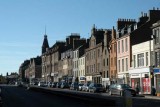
point(22, 23)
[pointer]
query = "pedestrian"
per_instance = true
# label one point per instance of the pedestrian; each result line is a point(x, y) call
point(137, 88)
point(153, 91)
point(107, 87)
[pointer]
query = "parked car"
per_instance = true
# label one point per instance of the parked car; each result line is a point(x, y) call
point(58, 85)
point(36, 83)
point(64, 85)
point(94, 87)
point(42, 84)
point(80, 86)
point(54, 84)
point(119, 89)
point(85, 87)
point(48, 84)
point(74, 86)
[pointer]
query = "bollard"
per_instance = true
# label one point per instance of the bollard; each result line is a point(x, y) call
point(127, 97)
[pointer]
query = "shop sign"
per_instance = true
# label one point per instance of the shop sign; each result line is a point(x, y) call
point(135, 75)
point(52, 74)
point(156, 70)
point(89, 78)
point(105, 79)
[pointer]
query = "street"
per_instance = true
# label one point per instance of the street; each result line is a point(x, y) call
point(13, 96)
point(20, 97)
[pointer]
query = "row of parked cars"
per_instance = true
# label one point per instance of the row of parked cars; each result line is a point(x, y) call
point(88, 87)
point(114, 89)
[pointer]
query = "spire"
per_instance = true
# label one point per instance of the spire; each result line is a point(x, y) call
point(113, 33)
point(45, 44)
point(93, 29)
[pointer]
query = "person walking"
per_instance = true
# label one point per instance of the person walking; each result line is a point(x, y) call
point(137, 88)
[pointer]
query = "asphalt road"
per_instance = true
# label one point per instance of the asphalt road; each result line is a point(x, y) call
point(19, 97)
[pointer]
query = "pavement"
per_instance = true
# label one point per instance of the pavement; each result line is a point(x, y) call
point(152, 97)
point(149, 96)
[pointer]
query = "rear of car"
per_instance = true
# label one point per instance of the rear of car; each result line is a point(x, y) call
point(93, 87)
point(118, 89)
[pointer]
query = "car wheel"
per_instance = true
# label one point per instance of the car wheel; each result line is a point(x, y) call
point(110, 93)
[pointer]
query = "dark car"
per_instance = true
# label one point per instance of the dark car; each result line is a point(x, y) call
point(74, 86)
point(65, 85)
point(119, 89)
point(93, 87)
point(58, 85)
point(54, 84)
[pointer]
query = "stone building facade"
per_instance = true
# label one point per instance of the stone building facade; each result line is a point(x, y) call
point(94, 56)
point(113, 57)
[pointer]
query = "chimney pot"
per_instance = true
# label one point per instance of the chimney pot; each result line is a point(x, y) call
point(153, 8)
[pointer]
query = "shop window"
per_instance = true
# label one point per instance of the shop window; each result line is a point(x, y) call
point(122, 65)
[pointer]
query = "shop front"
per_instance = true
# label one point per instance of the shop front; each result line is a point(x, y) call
point(156, 77)
point(140, 80)
point(105, 82)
